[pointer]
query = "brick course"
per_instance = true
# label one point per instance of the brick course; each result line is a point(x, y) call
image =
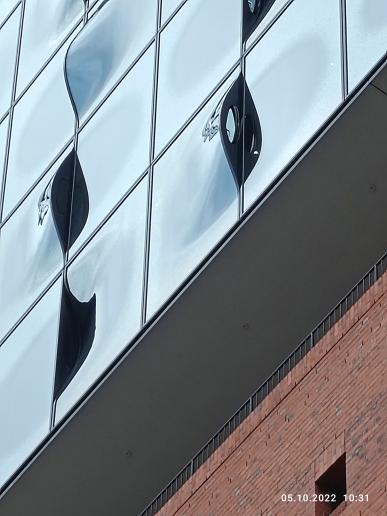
point(333, 401)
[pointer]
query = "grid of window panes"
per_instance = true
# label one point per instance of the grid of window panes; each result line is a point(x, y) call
point(127, 155)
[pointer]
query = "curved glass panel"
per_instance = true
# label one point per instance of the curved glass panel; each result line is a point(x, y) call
point(6, 7)
point(8, 44)
point(46, 25)
point(295, 79)
point(27, 362)
point(42, 125)
point(96, 60)
point(113, 148)
point(3, 142)
point(30, 254)
point(268, 17)
point(367, 37)
point(168, 6)
point(195, 202)
point(192, 63)
point(110, 270)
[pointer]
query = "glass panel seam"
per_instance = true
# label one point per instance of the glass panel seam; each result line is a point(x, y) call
point(148, 219)
point(199, 108)
point(11, 109)
point(222, 80)
point(48, 60)
point(8, 16)
point(53, 401)
point(275, 18)
point(241, 192)
point(31, 307)
point(4, 116)
point(344, 47)
point(36, 183)
point(107, 217)
point(66, 254)
point(172, 15)
point(219, 84)
point(117, 83)
point(157, 158)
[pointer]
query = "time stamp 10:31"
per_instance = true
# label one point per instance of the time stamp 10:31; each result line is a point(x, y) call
point(329, 498)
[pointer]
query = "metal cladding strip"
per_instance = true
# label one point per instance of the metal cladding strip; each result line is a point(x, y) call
point(260, 394)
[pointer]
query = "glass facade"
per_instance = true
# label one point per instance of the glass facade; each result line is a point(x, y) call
point(126, 159)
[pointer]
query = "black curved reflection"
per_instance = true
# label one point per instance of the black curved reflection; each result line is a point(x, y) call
point(69, 201)
point(254, 12)
point(240, 130)
point(76, 335)
point(70, 208)
point(80, 203)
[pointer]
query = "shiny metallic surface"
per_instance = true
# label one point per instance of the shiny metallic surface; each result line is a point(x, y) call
point(43, 123)
point(191, 64)
point(30, 253)
point(27, 362)
point(168, 6)
point(195, 201)
point(110, 268)
point(113, 148)
point(6, 7)
point(3, 141)
point(8, 45)
point(46, 27)
point(275, 9)
point(295, 80)
point(97, 58)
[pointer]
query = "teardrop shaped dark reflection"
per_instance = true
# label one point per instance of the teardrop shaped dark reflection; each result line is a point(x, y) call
point(69, 200)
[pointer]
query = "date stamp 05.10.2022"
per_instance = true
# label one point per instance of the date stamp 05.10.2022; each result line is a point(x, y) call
point(323, 497)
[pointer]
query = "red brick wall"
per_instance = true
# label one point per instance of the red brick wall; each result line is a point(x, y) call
point(333, 401)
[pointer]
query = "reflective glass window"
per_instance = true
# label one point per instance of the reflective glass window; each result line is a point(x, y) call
point(113, 148)
point(3, 141)
point(27, 362)
point(6, 7)
point(108, 275)
point(267, 17)
point(8, 45)
point(294, 75)
point(195, 201)
point(197, 48)
point(94, 6)
point(43, 122)
point(168, 6)
point(367, 37)
point(46, 25)
point(96, 59)
point(30, 253)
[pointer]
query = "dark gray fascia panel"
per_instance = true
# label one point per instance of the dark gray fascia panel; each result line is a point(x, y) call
point(381, 80)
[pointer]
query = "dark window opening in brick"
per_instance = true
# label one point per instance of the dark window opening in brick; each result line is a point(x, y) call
point(331, 487)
